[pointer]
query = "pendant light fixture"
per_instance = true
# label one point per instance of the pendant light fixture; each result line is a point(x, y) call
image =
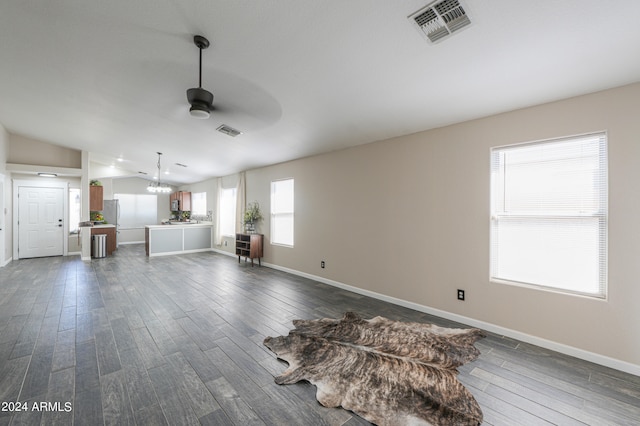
point(157, 186)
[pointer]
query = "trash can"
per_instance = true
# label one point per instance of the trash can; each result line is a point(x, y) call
point(99, 245)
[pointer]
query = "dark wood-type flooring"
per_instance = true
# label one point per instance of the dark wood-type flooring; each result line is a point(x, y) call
point(178, 340)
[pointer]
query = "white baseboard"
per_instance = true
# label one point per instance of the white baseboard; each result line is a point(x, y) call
point(130, 242)
point(227, 253)
point(6, 262)
point(603, 360)
point(170, 253)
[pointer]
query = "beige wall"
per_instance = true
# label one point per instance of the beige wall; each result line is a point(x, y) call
point(408, 218)
point(23, 150)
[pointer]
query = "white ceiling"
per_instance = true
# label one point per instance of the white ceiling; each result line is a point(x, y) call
point(298, 77)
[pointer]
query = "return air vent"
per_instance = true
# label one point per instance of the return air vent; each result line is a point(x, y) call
point(440, 19)
point(228, 130)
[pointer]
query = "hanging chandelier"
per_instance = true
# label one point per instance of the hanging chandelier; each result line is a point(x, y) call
point(157, 186)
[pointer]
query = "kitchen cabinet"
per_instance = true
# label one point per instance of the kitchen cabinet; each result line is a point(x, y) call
point(96, 198)
point(183, 198)
point(110, 232)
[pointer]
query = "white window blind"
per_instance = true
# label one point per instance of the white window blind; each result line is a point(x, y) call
point(137, 210)
point(228, 211)
point(198, 203)
point(549, 214)
point(282, 202)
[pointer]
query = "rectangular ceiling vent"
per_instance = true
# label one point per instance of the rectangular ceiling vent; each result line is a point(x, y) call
point(228, 130)
point(440, 19)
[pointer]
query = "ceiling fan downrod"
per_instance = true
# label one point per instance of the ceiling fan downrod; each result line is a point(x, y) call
point(200, 99)
point(202, 43)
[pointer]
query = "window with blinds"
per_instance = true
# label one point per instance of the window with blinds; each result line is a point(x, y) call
point(198, 204)
point(549, 214)
point(282, 202)
point(137, 210)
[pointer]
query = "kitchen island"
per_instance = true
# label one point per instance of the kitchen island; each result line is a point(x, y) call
point(189, 237)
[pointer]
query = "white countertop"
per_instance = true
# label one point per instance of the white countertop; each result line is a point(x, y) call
point(181, 225)
point(104, 225)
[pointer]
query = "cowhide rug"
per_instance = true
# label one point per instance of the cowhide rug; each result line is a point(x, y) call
point(388, 372)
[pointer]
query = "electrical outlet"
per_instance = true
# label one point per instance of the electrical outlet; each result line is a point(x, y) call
point(322, 264)
point(460, 294)
point(225, 243)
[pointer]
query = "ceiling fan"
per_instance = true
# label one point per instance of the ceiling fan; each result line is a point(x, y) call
point(201, 100)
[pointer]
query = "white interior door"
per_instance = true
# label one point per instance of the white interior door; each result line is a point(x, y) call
point(40, 222)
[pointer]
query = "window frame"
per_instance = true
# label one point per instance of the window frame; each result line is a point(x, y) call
point(75, 210)
point(196, 196)
point(275, 214)
point(599, 214)
point(231, 216)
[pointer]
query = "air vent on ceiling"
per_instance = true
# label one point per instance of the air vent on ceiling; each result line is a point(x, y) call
point(440, 19)
point(228, 130)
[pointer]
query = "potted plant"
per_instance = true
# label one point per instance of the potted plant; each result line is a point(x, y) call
point(96, 217)
point(252, 215)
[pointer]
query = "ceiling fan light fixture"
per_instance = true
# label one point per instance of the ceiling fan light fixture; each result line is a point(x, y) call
point(199, 112)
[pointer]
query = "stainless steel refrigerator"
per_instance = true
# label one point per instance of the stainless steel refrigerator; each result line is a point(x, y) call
point(111, 213)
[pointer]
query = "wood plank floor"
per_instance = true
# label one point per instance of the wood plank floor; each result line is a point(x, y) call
point(178, 340)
